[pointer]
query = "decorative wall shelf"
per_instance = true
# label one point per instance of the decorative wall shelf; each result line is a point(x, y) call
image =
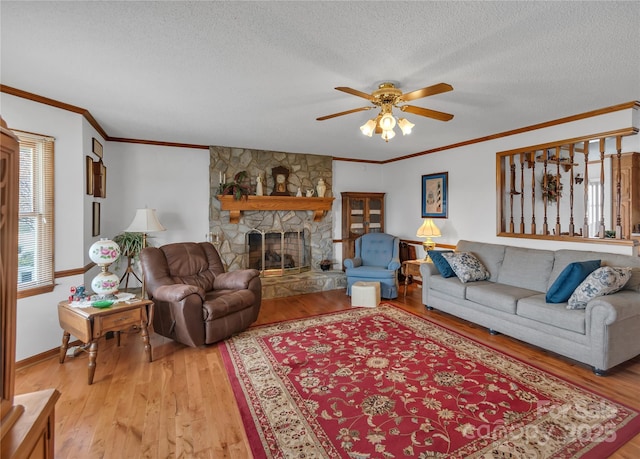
point(318, 205)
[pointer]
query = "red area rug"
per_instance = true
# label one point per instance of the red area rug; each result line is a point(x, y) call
point(384, 383)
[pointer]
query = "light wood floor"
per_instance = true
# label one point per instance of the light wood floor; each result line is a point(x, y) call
point(181, 405)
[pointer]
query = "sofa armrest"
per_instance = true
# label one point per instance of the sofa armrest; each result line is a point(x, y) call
point(616, 307)
point(353, 262)
point(177, 292)
point(235, 280)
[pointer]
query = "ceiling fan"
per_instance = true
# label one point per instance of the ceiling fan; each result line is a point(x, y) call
point(386, 97)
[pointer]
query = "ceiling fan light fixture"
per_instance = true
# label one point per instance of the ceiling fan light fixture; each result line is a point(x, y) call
point(387, 134)
point(368, 127)
point(405, 126)
point(387, 122)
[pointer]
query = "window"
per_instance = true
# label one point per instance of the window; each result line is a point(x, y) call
point(35, 220)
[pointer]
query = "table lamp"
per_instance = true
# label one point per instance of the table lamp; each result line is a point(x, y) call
point(145, 221)
point(428, 230)
point(103, 253)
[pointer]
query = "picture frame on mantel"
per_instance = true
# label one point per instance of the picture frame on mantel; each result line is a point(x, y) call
point(96, 147)
point(435, 195)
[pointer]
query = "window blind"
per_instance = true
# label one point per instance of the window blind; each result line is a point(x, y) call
point(36, 213)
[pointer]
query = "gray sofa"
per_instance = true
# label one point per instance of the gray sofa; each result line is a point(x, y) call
point(512, 302)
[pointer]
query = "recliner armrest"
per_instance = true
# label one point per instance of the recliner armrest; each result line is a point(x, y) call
point(353, 262)
point(235, 280)
point(177, 292)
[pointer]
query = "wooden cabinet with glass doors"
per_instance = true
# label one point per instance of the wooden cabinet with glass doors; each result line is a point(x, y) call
point(362, 213)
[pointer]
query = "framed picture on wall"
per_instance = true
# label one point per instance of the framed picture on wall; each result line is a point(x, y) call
point(97, 148)
point(99, 179)
point(88, 164)
point(96, 220)
point(435, 190)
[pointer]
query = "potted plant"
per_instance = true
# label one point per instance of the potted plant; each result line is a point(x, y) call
point(238, 188)
point(130, 247)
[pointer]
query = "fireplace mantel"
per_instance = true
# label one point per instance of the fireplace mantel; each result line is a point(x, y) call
point(318, 205)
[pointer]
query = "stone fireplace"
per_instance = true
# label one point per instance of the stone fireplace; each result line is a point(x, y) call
point(232, 239)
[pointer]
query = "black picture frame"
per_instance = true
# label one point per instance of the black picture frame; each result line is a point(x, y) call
point(435, 195)
point(96, 220)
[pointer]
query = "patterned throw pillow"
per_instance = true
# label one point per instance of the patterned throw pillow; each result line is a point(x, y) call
point(443, 265)
point(603, 281)
point(466, 266)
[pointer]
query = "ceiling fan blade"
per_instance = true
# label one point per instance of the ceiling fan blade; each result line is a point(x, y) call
point(426, 112)
point(361, 109)
point(355, 92)
point(428, 91)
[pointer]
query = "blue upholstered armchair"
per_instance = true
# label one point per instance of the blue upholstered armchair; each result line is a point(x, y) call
point(377, 259)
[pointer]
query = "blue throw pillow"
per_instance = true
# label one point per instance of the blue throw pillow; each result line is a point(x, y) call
point(443, 265)
point(569, 280)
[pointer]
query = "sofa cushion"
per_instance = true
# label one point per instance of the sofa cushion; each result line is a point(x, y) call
point(450, 286)
point(466, 266)
point(634, 282)
point(603, 281)
point(491, 255)
point(372, 272)
point(569, 279)
point(497, 296)
point(444, 268)
point(536, 308)
point(526, 268)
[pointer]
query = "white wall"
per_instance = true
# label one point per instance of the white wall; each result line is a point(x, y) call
point(352, 176)
point(175, 181)
point(472, 185)
point(37, 328)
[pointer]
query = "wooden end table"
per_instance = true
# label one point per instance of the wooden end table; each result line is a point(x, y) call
point(90, 324)
point(411, 268)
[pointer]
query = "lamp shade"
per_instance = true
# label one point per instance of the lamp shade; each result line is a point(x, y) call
point(428, 229)
point(104, 252)
point(145, 221)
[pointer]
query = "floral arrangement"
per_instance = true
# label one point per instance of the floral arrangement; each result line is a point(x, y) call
point(551, 187)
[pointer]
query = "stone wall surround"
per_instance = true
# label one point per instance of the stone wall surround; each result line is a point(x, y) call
point(304, 171)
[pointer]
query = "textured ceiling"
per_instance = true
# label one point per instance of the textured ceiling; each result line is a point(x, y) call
point(258, 74)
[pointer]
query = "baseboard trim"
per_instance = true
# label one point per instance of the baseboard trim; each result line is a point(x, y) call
point(43, 356)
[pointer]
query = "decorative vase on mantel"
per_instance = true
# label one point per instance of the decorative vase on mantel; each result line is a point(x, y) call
point(321, 188)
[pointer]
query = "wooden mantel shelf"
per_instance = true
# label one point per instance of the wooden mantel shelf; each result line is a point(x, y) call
point(318, 205)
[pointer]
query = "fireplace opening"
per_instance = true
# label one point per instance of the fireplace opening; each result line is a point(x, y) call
point(279, 253)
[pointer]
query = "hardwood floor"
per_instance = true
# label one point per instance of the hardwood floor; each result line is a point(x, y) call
point(181, 405)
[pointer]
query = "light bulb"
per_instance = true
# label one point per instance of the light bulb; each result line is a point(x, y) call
point(388, 134)
point(405, 126)
point(387, 122)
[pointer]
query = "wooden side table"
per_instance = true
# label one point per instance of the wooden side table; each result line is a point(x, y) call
point(90, 324)
point(411, 268)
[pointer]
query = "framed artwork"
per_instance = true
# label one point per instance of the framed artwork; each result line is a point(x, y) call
point(88, 162)
point(99, 179)
point(435, 190)
point(96, 219)
point(97, 148)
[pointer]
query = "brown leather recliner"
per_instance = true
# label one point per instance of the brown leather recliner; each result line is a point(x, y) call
point(195, 301)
